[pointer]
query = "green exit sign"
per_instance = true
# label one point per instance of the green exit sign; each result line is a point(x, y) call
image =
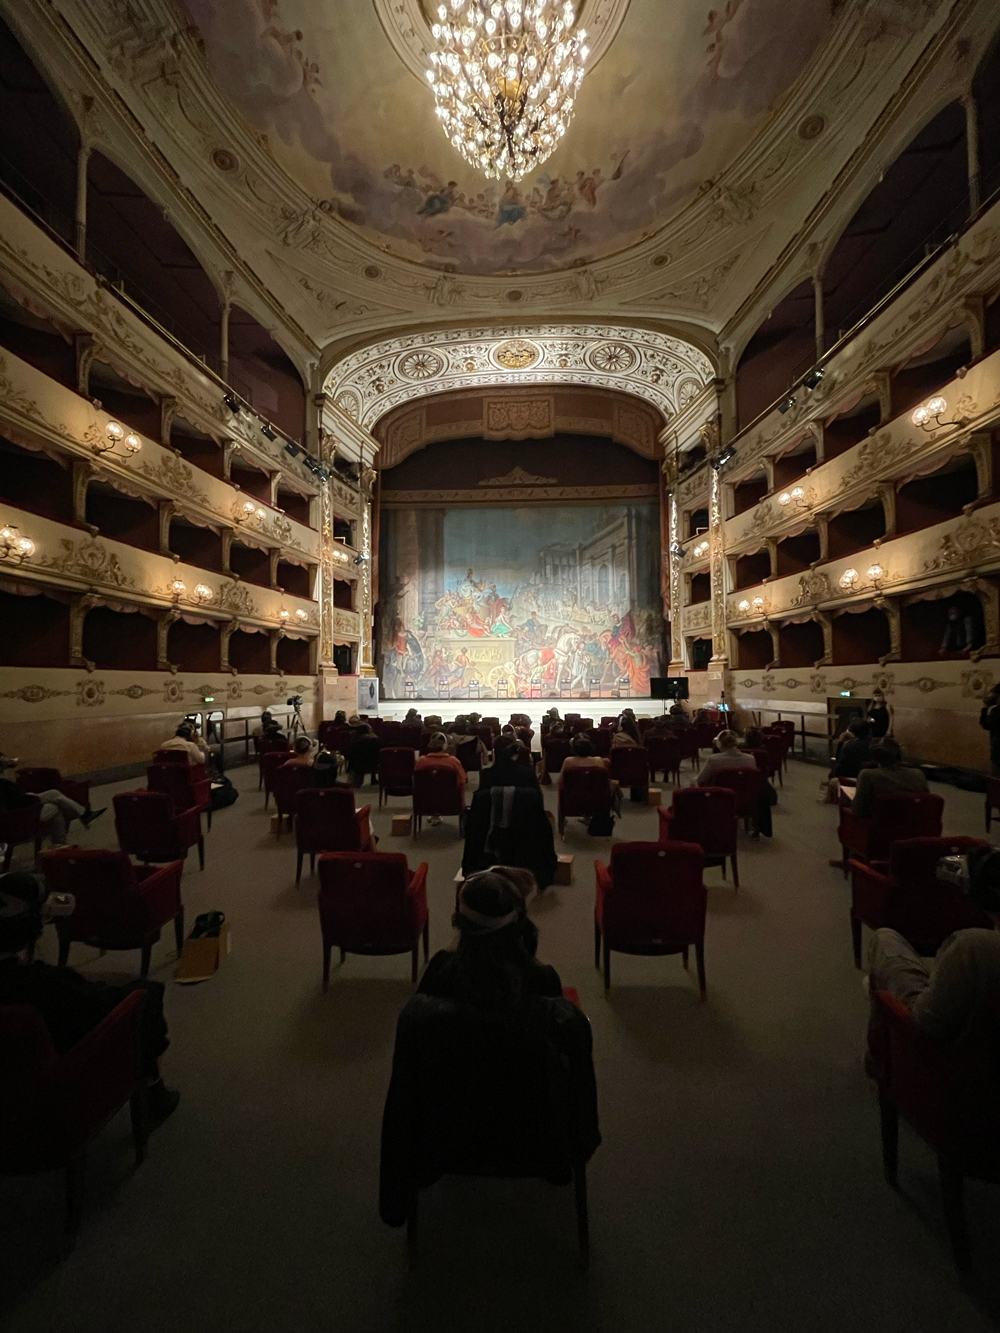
point(846, 694)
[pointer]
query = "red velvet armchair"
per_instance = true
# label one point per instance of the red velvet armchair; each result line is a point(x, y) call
point(949, 1092)
point(54, 1105)
point(583, 792)
point(180, 785)
point(268, 764)
point(992, 800)
point(556, 753)
point(687, 739)
point(898, 815)
point(435, 792)
point(286, 783)
point(777, 751)
point(907, 896)
point(468, 756)
point(372, 903)
point(35, 780)
point(747, 784)
point(395, 772)
point(333, 736)
point(706, 816)
point(179, 758)
point(118, 905)
point(269, 745)
point(410, 735)
point(22, 824)
point(629, 766)
point(601, 741)
point(150, 829)
point(651, 900)
point(664, 757)
point(326, 821)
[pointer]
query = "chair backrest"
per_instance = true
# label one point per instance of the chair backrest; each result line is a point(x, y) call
point(664, 752)
point(601, 741)
point(900, 815)
point(687, 739)
point(144, 821)
point(705, 733)
point(746, 783)
point(630, 765)
point(913, 861)
point(272, 744)
point(411, 734)
point(390, 733)
point(485, 734)
point(584, 791)
point(334, 736)
point(26, 1051)
point(325, 820)
point(767, 763)
point(395, 769)
point(555, 754)
point(707, 816)
point(38, 779)
point(270, 762)
point(178, 757)
point(286, 783)
point(101, 880)
point(435, 792)
point(608, 721)
point(363, 898)
point(657, 891)
point(922, 908)
point(468, 756)
point(175, 781)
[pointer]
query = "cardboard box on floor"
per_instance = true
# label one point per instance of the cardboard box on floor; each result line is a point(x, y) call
point(201, 958)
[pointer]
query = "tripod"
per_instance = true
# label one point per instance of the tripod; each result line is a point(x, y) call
point(296, 727)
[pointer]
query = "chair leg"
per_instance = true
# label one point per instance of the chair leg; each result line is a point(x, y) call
point(414, 963)
point(74, 1197)
point(699, 958)
point(64, 943)
point(140, 1123)
point(597, 944)
point(343, 957)
point(889, 1126)
point(736, 873)
point(954, 1212)
point(326, 966)
point(201, 853)
point(856, 939)
point(607, 966)
point(179, 930)
point(843, 856)
point(684, 955)
point(7, 857)
point(147, 953)
point(210, 816)
point(298, 866)
point(582, 1216)
point(312, 863)
point(411, 1232)
point(427, 938)
point(781, 780)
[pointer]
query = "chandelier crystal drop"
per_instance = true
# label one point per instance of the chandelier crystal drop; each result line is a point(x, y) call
point(505, 75)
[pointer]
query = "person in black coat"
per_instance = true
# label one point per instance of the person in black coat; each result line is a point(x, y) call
point(507, 770)
point(854, 751)
point(362, 755)
point(509, 825)
point(989, 720)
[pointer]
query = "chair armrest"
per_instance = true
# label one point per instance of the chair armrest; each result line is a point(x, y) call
point(188, 826)
point(418, 879)
point(602, 874)
point(97, 1076)
point(364, 825)
point(572, 994)
point(666, 818)
point(160, 891)
point(870, 892)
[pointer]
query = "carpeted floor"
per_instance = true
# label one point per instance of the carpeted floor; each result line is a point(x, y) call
point(738, 1187)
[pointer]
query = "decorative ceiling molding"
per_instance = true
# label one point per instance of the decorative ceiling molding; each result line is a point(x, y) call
point(406, 26)
point(659, 369)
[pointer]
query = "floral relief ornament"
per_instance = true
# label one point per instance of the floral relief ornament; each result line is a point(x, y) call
point(89, 559)
point(90, 693)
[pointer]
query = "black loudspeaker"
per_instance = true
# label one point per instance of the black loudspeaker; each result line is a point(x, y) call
point(668, 687)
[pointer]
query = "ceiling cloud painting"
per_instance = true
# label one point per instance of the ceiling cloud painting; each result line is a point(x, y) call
point(681, 89)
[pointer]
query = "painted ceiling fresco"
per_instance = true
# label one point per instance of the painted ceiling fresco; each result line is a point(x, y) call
point(682, 89)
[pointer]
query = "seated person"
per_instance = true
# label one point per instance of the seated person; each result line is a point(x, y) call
point(301, 754)
point(340, 718)
point(890, 775)
point(728, 755)
point(57, 812)
point(326, 766)
point(70, 1004)
point(412, 718)
point(510, 824)
point(627, 734)
point(460, 732)
point(432, 722)
point(262, 725)
point(553, 715)
point(678, 717)
point(582, 755)
point(507, 770)
point(965, 970)
point(187, 739)
point(753, 739)
point(854, 750)
point(362, 754)
point(496, 945)
point(437, 756)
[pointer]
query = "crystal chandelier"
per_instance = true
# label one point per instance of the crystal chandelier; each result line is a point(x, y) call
point(505, 76)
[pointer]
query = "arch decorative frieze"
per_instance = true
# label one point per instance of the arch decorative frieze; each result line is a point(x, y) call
point(662, 370)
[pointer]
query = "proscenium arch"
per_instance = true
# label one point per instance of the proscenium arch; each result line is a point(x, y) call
point(661, 369)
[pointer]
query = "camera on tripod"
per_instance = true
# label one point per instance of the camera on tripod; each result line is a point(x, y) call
point(295, 702)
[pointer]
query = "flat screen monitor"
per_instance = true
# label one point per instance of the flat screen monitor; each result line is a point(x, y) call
point(668, 687)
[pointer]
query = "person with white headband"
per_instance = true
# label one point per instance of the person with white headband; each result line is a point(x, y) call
point(493, 965)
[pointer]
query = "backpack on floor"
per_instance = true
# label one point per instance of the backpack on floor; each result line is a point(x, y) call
point(223, 793)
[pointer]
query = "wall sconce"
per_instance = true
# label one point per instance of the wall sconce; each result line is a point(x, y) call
point(677, 549)
point(795, 496)
point(178, 589)
point(875, 573)
point(928, 415)
point(202, 593)
point(283, 614)
point(743, 607)
point(758, 604)
point(249, 512)
point(700, 549)
point(849, 580)
point(13, 546)
point(301, 615)
point(115, 436)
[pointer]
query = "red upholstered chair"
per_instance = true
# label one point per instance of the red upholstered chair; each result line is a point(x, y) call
point(992, 800)
point(118, 905)
point(150, 829)
point(269, 765)
point(583, 792)
point(583, 724)
point(172, 757)
point(395, 771)
point(286, 783)
point(326, 821)
point(184, 791)
point(898, 815)
point(629, 766)
point(47, 779)
point(768, 764)
point(486, 733)
point(687, 739)
point(410, 735)
point(54, 1105)
point(705, 734)
point(555, 755)
point(776, 746)
point(435, 792)
point(664, 757)
point(747, 784)
point(332, 736)
point(20, 825)
point(907, 896)
point(651, 900)
point(707, 816)
point(371, 903)
point(601, 741)
point(468, 756)
point(949, 1092)
point(609, 722)
point(269, 745)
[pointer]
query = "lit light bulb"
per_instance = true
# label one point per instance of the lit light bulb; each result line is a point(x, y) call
point(784, 498)
point(132, 443)
point(25, 545)
point(758, 602)
point(848, 578)
point(283, 614)
point(797, 492)
point(177, 587)
point(875, 571)
point(300, 615)
point(114, 431)
point(744, 605)
point(936, 406)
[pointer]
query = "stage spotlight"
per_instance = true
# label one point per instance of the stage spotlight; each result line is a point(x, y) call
point(676, 549)
point(360, 558)
point(267, 432)
point(293, 450)
point(322, 474)
point(723, 458)
point(813, 378)
point(232, 402)
point(788, 404)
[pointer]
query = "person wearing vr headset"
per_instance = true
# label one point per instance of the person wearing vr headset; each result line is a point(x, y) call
point(70, 1004)
point(966, 968)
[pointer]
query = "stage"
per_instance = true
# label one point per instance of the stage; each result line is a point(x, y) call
point(447, 709)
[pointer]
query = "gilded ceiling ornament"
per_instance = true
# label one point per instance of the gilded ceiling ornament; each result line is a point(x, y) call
point(89, 559)
point(518, 477)
point(424, 365)
point(516, 354)
point(612, 357)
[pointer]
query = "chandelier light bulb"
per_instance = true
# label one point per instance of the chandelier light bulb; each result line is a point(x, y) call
point(203, 592)
point(936, 406)
point(300, 615)
point(875, 571)
point(848, 578)
point(758, 602)
point(784, 498)
point(132, 443)
point(177, 587)
point(114, 431)
point(797, 492)
point(13, 546)
point(744, 605)
point(504, 83)
point(283, 614)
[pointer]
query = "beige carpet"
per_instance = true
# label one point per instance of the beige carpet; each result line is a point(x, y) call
point(738, 1186)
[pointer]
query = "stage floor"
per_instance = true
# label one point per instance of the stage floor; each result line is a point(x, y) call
point(396, 709)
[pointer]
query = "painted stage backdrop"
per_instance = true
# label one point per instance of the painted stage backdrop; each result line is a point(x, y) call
point(478, 602)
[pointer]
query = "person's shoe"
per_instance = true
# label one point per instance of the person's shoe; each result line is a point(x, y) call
point(161, 1102)
point(207, 925)
point(435, 820)
point(88, 816)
